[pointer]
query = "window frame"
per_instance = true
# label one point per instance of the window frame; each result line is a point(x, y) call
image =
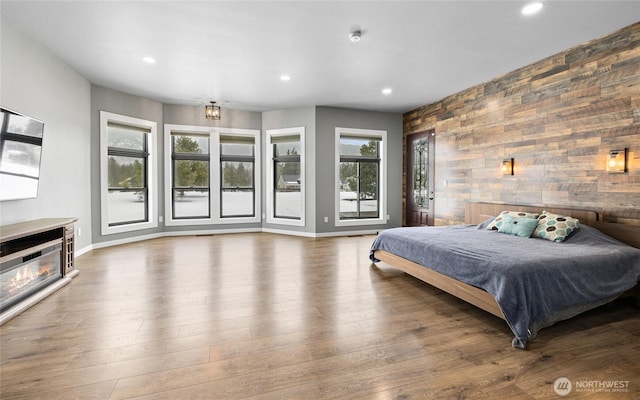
point(216, 171)
point(236, 158)
point(187, 157)
point(151, 173)
point(215, 184)
point(26, 186)
point(380, 135)
point(271, 218)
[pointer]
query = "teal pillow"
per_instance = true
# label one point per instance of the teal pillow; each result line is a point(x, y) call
point(495, 224)
point(519, 226)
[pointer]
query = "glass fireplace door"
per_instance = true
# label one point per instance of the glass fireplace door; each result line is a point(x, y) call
point(25, 275)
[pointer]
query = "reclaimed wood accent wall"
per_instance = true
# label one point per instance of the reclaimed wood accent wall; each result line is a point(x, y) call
point(558, 118)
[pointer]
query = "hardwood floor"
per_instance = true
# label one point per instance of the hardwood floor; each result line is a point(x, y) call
point(263, 316)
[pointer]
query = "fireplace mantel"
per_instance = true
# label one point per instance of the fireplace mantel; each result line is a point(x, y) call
point(23, 240)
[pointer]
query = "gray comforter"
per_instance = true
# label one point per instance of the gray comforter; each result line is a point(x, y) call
point(535, 282)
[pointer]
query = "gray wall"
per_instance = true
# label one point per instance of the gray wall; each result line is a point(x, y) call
point(194, 116)
point(320, 124)
point(327, 119)
point(294, 118)
point(190, 115)
point(103, 99)
point(37, 83)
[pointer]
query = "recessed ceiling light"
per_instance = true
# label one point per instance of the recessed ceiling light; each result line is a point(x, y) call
point(149, 60)
point(387, 91)
point(531, 8)
point(285, 78)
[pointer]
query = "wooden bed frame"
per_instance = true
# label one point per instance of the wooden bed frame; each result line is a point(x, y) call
point(476, 213)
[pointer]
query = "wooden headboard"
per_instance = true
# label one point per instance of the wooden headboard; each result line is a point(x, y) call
point(629, 234)
point(475, 213)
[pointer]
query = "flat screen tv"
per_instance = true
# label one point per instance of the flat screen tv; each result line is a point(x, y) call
point(20, 154)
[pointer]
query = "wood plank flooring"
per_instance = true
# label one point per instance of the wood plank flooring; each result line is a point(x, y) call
point(263, 316)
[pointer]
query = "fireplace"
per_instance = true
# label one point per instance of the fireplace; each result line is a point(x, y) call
point(23, 276)
point(36, 260)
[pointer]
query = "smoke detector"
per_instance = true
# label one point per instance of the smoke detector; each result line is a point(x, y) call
point(355, 36)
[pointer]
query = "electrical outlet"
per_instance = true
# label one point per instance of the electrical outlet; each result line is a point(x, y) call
point(160, 218)
point(326, 219)
point(79, 230)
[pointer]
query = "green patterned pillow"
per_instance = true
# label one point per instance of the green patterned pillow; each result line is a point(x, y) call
point(518, 226)
point(498, 221)
point(555, 227)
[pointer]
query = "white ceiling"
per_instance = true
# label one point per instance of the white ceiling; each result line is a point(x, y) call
point(234, 52)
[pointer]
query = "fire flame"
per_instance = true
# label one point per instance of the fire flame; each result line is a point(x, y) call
point(26, 275)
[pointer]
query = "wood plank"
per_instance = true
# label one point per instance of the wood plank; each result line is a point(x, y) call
point(476, 212)
point(12, 231)
point(629, 234)
point(265, 316)
point(470, 294)
point(583, 101)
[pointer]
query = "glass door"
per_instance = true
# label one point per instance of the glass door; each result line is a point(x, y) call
point(420, 178)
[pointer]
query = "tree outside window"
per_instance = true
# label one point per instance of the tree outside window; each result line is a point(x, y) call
point(237, 158)
point(287, 180)
point(285, 176)
point(359, 177)
point(190, 176)
point(126, 175)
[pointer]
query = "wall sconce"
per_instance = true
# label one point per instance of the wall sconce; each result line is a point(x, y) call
point(507, 167)
point(212, 111)
point(617, 161)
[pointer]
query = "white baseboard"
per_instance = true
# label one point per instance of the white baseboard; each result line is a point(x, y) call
point(134, 239)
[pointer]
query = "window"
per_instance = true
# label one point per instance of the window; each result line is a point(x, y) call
point(20, 153)
point(285, 176)
point(212, 175)
point(360, 177)
point(190, 176)
point(238, 177)
point(127, 173)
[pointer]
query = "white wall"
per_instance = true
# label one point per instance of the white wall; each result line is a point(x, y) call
point(35, 82)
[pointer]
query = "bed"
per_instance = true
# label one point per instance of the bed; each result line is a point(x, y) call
point(531, 283)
